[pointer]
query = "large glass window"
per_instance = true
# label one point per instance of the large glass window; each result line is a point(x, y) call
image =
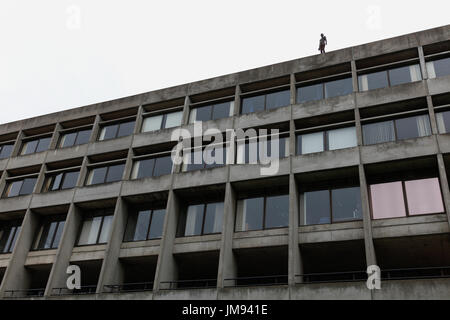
point(438, 68)
point(399, 129)
point(331, 206)
point(266, 102)
point(6, 150)
point(95, 229)
point(75, 138)
point(422, 197)
point(105, 174)
point(162, 121)
point(34, 146)
point(323, 90)
point(326, 140)
point(194, 159)
point(153, 167)
point(20, 187)
point(117, 130)
point(443, 121)
point(391, 77)
point(260, 213)
point(61, 181)
point(145, 225)
point(249, 153)
point(204, 219)
point(8, 236)
point(212, 112)
point(49, 234)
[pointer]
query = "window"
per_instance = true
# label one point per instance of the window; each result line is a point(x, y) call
point(61, 181)
point(212, 112)
point(204, 219)
point(75, 138)
point(162, 121)
point(249, 153)
point(331, 206)
point(266, 102)
point(194, 159)
point(422, 197)
point(117, 130)
point(20, 187)
point(261, 213)
point(328, 89)
point(326, 140)
point(153, 167)
point(8, 236)
point(145, 225)
point(391, 130)
point(95, 229)
point(49, 234)
point(34, 146)
point(6, 150)
point(443, 122)
point(438, 68)
point(391, 77)
point(106, 174)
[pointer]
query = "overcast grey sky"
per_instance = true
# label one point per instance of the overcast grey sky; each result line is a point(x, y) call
point(59, 54)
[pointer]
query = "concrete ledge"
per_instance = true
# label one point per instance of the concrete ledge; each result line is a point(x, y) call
point(66, 153)
point(28, 160)
point(321, 107)
point(197, 243)
point(98, 192)
point(139, 248)
point(444, 142)
point(410, 226)
point(438, 85)
point(41, 257)
point(146, 185)
point(332, 232)
point(196, 178)
point(191, 294)
point(261, 238)
point(254, 293)
point(389, 151)
point(325, 160)
point(331, 291)
point(84, 253)
point(262, 118)
point(4, 259)
point(15, 203)
point(53, 198)
point(111, 145)
point(155, 137)
point(434, 289)
point(240, 172)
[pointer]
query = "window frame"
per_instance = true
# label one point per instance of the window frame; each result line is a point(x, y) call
point(204, 204)
point(136, 212)
point(52, 175)
point(99, 213)
point(264, 93)
point(7, 143)
point(106, 165)
point(77, 131)
point(118, 123)
point(164, 113)
point(154, 156)
point(322, 81)
point(18, 227)
point(38, 238)
point(19, 178)
point(37, 138)
point(212, 104)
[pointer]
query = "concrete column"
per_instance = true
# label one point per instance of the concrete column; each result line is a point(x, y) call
point(423, 66)
point(55, 137)
point(16, 277)
point(293, 90)
point(354, 76)
point(3, 177)
point(295, 266)
point(227, 263)
point(128, 165)
point(58, 276)
point(186, 110)
point(111, 269)
point(40, 179)
point(16, 149)
point(166, 268)
point(367, 222)
point(237, 101)
point(434, 128)
point(95, 129)
point(83, 172)
point(444, 185)
point(139, 119)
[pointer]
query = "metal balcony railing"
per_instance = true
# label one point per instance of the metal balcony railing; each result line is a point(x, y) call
point(27, 293)
point(128, 287)
point(189, 284)
point(274, 280)
point(68, 292)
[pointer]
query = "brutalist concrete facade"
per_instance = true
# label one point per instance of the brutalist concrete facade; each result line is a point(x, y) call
point(293, 245)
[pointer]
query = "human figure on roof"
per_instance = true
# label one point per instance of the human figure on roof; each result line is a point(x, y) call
point(322, 43)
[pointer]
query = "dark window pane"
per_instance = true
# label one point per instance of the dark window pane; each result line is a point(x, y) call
point(399, 75)
point(443, 120)
point(316, 207)
point(277, 211)
point(252, 215)
point(310, 93)
point(70, 180)
point(195, 166)
point(47, 235)
point(142, 223)
point(98, 175)
point(126, 129)
point(203, 113)
point(43, 144)
point(442, 67)
point(14, 188)
point(131, 226)
point(413, 127)
point(68, 139)
point(278, 99)
point(115, 173)
point(213, 218)
point(56, 183)
point(28, 186)
point(253, 104)
point(378, 132)
point(372, 81)
point(9, 245)
point(194, 220)
point(346, 204)
point(30, 147)
point(221, 111)
point(163, 166)
point(106, 227)
point(83, 137)
point(109, 132)
point(157, 224)
point(340, 87)
point(58, 235)
point(6, 150)
point(145, 168)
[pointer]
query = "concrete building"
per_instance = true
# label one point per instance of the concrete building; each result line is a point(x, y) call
point(363, 180)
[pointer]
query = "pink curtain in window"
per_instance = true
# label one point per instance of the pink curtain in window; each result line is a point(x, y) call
point(387, 200)
point(424, 196)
